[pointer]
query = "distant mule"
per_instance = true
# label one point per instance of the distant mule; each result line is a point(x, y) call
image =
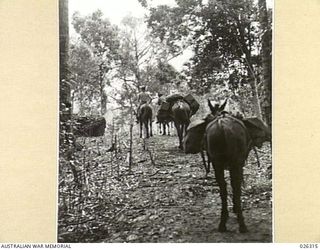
point(228, 141)
point(145, 118)
point(181, 114)
point(164, 119)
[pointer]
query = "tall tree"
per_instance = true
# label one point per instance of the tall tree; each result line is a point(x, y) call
point(266, 58)
point(66, 139)
point(102, 38)
point(142, 61)
point(83, 69)
point(65, 111)
point(136, 49)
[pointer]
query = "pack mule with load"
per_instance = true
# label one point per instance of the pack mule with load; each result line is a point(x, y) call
point(178, 109)
point(228, 141)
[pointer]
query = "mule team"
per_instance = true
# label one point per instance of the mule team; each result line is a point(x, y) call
point(226, 139)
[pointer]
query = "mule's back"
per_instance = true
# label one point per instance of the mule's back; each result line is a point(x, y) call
point(227, 141)
point(181, 112)
point(146, 111)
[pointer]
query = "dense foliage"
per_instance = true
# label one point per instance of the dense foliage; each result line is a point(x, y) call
point(225, 37)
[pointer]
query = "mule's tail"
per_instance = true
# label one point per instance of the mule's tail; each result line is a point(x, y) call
point(228, 143)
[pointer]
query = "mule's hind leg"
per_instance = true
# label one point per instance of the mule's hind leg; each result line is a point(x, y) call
point(209, 162)
point(179, 132)
point(219, 173)
point(140, 129)
point(180, 136)
point(236, 179)
point(186, 127)
point(164, 128)
point(151, 134)
point(146, 126)
point(207, 168)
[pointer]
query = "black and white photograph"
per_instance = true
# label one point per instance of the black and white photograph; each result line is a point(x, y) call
point(165, 121)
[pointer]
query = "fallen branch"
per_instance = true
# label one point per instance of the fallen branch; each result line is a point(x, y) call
point(155, 173)
point(143, 160)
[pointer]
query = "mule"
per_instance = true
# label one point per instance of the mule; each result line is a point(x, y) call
point(145, 118)
point(228, 141)
point(181, 114)
point(164, 119)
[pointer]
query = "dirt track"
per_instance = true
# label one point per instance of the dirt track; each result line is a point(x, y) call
point(171, 201)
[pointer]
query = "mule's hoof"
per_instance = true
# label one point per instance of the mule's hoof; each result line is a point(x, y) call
point(222, 228)
point(243, 229)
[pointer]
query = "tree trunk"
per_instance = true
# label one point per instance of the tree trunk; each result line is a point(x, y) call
point(104, 100)
point(254, 87)
point(65, 111)
point(65, 90)
point(266, 59)
point(72, 98)
point(81, 109)
point(255, 99)
point(131, 136)
point(103, 96)
point(66, 138)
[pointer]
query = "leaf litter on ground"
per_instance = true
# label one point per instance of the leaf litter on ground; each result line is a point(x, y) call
point(170, 201)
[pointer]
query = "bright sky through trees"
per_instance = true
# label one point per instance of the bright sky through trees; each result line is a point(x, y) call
point(116, 10)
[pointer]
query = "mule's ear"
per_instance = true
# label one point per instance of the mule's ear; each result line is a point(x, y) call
point(221, 108)
point(212, 109)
